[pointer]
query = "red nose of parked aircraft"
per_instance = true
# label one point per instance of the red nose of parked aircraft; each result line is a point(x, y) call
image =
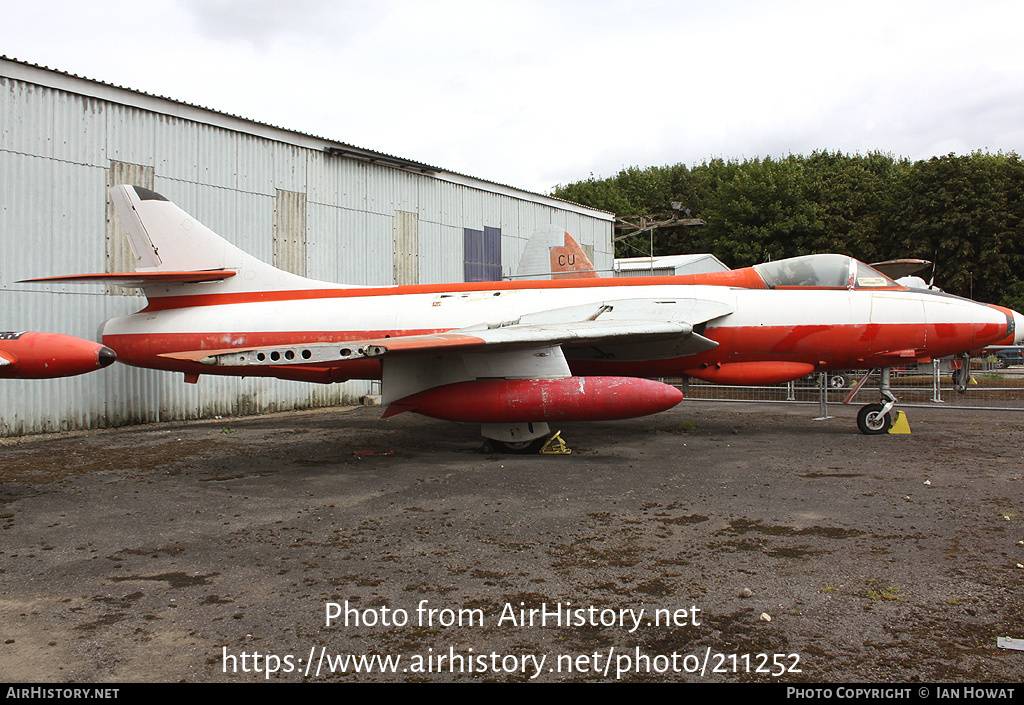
point(1018, 322)
point(1015, 332)
point(31, 355)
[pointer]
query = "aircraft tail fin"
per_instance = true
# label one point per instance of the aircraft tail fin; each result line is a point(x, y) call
point(164, 238)
point(552, 253)
point(172, 248)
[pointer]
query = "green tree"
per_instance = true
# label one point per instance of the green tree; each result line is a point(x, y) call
point(964, 212)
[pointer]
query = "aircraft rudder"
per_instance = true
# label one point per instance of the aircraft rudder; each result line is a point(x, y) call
point(569, 261)
point(552, 253)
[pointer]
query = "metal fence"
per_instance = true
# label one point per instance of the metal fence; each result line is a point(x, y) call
point(990, 387)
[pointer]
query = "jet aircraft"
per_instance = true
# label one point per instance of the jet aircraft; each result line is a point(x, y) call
point(32, 355)
point(516, 355)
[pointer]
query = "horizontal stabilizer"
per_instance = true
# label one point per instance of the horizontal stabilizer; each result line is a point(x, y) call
point(137, 279)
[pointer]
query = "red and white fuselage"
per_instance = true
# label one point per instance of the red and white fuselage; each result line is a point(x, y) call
point(214, 309)
point(789, 332)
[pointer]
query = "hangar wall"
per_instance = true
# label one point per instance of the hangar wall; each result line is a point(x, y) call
point(314, 206)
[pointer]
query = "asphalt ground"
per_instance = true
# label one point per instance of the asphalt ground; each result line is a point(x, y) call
point(715, 542)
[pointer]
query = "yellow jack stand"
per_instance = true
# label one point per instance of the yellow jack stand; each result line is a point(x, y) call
point(555, 446)
point(900, 425)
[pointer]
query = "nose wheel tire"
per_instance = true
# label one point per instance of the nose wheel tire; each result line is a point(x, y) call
point(871, 421)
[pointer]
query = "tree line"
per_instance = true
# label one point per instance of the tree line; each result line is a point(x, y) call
point(965, 213)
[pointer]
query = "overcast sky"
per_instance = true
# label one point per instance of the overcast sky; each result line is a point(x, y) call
point(537, 93)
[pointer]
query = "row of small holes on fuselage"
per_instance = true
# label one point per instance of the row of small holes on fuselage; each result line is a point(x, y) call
point(289, 355)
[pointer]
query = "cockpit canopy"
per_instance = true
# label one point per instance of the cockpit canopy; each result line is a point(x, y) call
point(822, 271)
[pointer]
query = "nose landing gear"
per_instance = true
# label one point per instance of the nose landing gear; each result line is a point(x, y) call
point(873, 419)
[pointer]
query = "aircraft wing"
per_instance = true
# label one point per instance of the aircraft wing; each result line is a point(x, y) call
point(624, 329)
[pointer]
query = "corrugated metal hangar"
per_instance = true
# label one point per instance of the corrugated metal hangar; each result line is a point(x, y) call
point(313, 206)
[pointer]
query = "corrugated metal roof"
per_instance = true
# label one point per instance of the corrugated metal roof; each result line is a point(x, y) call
point(108, 91)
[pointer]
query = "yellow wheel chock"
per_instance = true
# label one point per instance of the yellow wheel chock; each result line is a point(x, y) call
point(900, 424)
point(555, 446)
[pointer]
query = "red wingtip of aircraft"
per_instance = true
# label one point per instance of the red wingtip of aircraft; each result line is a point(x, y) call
point(30, 355)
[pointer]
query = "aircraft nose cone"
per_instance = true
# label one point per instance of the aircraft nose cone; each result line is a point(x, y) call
point(1014, 327)
point(106, 356)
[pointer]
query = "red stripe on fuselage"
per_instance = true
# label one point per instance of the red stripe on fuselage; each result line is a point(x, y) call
point(161, 303)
